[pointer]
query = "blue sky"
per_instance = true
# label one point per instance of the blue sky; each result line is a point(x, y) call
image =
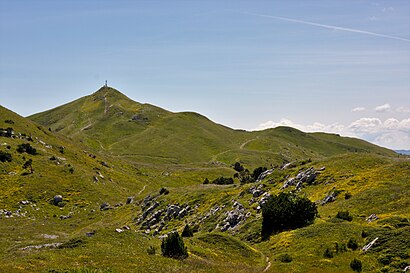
point(335, 66)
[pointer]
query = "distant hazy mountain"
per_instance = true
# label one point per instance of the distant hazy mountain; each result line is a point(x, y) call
point(404, 152)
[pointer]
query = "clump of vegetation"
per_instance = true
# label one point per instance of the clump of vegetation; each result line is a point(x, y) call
point(173, 246)
point(352, 244)
point(256, 172)
point(286, 211)
point(163, 191)
point(328, 253)
point(285, 258)
point(238, 167)
point(26, 148)
point(223, 181)
point(5, 157)
point(348, 195)
point(28, 165)
point(9, 121)
point(151, 250)
point(72, 243)
point(187, 232)
point(8, 132)
point(344, 215)
point(206, 181)
point(356, 265)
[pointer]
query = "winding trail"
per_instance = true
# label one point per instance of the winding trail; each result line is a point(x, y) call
point(246, 142)
point(268, 265)
point(143, 188)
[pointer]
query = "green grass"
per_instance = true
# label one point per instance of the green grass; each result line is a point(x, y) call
point(178, 151)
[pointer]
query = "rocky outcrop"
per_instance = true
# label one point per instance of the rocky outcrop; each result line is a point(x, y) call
point(303, 177)
point(233, 217)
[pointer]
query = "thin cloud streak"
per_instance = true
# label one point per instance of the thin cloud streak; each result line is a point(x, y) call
point(330, 26)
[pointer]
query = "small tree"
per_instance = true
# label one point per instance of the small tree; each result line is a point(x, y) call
point(356, 265)
point(352, 244)
point(28, 165)
point(5, 157)
point(238, 167)
point(173, 246)
point(187, 232)
point(26, 148)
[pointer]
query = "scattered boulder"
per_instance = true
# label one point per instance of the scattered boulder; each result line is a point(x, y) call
point(105, 206)
point(371, 218)
point(90, 234)
point(264, 174)
point(369, 245)
point(329, 198)
point(118, 230)
point(233, 217)
point(57, 199)
point(129, 200)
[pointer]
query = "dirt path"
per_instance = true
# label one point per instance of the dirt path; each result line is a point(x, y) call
point(268, 265)
point(246, 142)
point(143, 188)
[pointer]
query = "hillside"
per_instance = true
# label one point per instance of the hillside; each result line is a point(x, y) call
point(110, 122)
point(101, 149)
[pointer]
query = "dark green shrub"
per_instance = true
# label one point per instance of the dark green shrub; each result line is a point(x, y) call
point(285, 258)
point(352, 244)
point(386, 259)
point(163, 191)
point(356, 265)
point(344, 215)
point(238, 167)
point(5, 157)
point(348, 195)
point(223, 181)
point(26, 148)
point(28, 165)
point(206, 181)
point(173, 246)
point(187, 232)
point(9, 121)
point(286, 211)
point(256, 172)
point(328, 253)
point(364, 234)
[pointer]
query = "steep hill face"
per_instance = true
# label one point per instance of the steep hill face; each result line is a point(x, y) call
point(57, 166)
point(108, 121)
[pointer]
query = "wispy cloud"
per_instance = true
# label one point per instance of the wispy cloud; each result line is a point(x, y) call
point(403, 109)
point(382, 108)
point(358, 109)
point(330, 26)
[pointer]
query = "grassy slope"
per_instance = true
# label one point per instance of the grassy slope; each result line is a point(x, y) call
point(103, 121)
point(367, 171)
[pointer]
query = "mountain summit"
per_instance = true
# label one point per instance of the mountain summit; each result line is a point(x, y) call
point(108, 120)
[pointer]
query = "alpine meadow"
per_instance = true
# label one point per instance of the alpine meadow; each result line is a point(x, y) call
point(109, 180)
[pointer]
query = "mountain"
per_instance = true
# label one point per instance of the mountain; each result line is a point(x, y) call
point(404, 152)
point(110, 122)
point(131, 173)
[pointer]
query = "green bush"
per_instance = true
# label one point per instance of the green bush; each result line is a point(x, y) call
point(238, 167)
point(344, 215)
point(286, 211)
point(26, 148)
point(285, 258)
point(163, 191)
point(356, 265)
point(173, 246)
point(352, 244)
point(187, 232)
point(5, 157)
point(223, 181)
point(206, 181)
point(256, 172)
